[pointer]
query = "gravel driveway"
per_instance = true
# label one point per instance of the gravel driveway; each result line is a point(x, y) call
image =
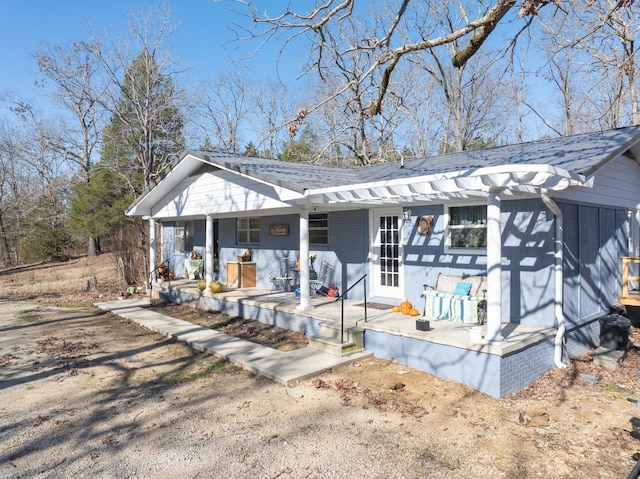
point(87, 394)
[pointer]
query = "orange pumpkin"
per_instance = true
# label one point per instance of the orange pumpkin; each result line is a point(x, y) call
point(405, 307)
point(414, 312)
point(396, 309)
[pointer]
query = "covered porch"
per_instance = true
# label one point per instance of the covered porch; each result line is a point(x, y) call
point(447, 349)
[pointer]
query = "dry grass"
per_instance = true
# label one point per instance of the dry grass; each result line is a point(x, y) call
point(79, 281)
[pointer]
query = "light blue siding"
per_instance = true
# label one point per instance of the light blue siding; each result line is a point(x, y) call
point(527, 277)
point(527, 267)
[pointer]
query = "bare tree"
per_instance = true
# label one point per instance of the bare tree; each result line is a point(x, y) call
point(614, 49)
point(224, 108)
point(144, 101)
point(474, 111)
point(423, 116)
point(591, 63)
point(32, 180)
point(392, 33)
point(271, 107)
point(79, 90)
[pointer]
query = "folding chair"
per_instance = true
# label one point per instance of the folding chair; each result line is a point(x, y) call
point(316, 284)
point(282, 280)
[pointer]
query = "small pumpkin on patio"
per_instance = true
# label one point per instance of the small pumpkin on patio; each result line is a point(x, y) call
point(414, 312)
point(405, 307)
point(396, 309)
point(215, 286)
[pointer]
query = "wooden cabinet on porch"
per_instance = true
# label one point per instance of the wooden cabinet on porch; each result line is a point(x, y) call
point(241, 275)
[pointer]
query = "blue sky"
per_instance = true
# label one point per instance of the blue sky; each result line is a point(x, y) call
point(200, 41)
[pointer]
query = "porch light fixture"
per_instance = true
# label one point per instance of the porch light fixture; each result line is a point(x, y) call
point(406, 214)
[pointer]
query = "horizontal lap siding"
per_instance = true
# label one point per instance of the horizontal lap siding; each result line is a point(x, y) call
point(217, 193)
point(346, 252)
point(528, 232)
point(615, 184)
point(349, 242)
point(528, 235)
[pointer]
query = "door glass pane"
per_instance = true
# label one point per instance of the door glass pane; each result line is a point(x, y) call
point(389, 251)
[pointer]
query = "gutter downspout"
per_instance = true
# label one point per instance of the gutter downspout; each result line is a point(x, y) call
point(559, 278)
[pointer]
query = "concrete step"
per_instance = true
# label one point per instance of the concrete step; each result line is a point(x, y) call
point(329, 339)
point(610, 358)
point(335, 348)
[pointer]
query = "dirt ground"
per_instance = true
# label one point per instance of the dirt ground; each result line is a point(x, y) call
point(88, 394)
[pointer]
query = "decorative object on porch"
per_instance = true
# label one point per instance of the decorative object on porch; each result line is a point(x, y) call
point(442, 302)
point(312, 260)
point(482, 311)
point(194, 269)
point(195, 255)
point(422, 325)
point(245, 257)
point(215, 286)
point(279, 230)
point(396, 309)
point(406, 306)
point(424, 225)
point(462, 288)
point(202, 284)
point(475, 334)
point(334, 291)
point(414, 312)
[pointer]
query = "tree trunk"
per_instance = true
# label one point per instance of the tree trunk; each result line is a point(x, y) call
point(92, 249)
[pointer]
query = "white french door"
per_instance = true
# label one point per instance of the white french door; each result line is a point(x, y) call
point(386, 253)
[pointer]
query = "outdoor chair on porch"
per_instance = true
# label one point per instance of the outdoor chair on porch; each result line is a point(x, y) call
point(317, 283)
point(282, 280)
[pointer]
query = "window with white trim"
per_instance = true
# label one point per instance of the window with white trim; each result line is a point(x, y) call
point(319, 229)
point(248, 230)
point(467, 227)
point(183, 236)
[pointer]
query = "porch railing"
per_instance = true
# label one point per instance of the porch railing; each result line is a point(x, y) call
point(630, 297)
point(341, 298)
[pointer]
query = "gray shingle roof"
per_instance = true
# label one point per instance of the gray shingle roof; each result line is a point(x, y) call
point(579, 154)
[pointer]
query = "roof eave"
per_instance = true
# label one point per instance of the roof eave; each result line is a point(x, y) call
point(453, 185)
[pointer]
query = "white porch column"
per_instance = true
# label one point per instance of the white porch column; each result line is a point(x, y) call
point(494, 269)
point(208, 250)
point(305, 302)
point(153, 246)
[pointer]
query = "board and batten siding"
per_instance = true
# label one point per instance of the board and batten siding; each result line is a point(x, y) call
point(217, 192)
point(594, 240)
point(614, 184)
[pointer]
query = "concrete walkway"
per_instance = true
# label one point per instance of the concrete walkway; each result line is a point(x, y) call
point(280, 366)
